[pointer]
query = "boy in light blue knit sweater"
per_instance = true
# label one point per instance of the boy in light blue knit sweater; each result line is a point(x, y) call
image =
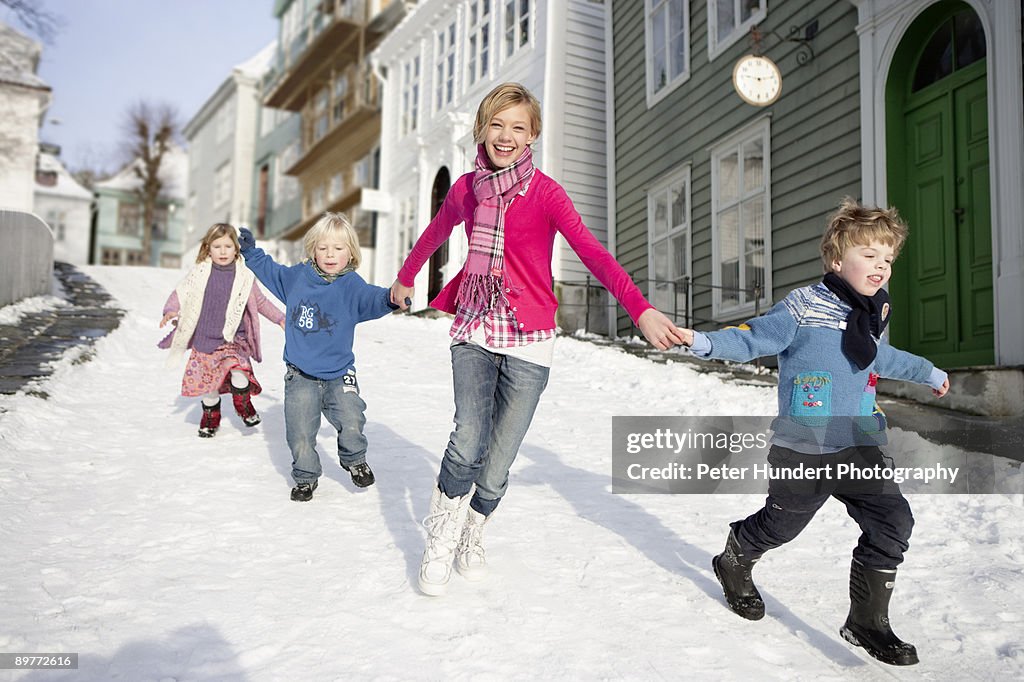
point(828, 339)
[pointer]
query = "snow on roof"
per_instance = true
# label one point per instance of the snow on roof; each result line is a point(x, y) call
point(66, 185)
point(258, 64)
point(174, 171)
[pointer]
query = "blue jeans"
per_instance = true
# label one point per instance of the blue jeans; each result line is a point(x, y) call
point(495, 398)
point(305, 398)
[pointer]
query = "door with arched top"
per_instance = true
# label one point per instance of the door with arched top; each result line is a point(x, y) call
point(937, 142)
point(435, 282)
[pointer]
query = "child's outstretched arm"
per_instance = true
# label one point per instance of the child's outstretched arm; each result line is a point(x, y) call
point(659, 330)
point(271, 274)
point(401, 295)
point(893, 363)
point(371, 301)
point(171, 308)
point(266, 307)
point(768, 334)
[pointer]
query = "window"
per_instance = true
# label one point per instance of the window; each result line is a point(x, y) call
point(410, 95)
point(225, 119)
point(111, 257)
point(517, 25)
point(741, 222)
point(444, 68)
point(730, 20)
point(286, 187)
point(337, 185)
point(406, 236)
point(222, 185)
point(668, 229)
point(478, 46)
point(135, 258)
point(667, 33)
point(320, 114)
point(128, 219)
point(56, 220)
point(160, 222)
point(340, 95)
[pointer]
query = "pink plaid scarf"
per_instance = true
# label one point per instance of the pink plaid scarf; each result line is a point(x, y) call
point(483, 281)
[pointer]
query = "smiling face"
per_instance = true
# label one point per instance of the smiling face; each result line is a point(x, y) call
point(332, 254)
point(866, 268)
point(508, 134)
point(223, 251)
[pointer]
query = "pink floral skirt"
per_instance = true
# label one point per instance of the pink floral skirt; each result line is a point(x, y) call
point(211, 372)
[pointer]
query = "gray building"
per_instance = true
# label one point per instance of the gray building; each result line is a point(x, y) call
point(719, 204)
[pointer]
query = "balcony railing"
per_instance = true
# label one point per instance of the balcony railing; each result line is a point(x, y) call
point(333, 112)
point(332, 24)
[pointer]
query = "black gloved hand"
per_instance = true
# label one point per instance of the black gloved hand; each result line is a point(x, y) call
point(245, 239)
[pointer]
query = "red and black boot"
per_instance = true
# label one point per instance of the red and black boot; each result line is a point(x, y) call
point(243, 406)
point(210, 422)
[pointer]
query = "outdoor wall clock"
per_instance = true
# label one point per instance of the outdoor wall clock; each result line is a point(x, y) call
point(757, 80)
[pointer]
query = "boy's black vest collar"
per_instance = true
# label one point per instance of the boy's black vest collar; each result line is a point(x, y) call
point(864, 324)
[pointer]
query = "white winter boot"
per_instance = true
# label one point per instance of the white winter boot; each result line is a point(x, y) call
point(444, 527)
point(469, 555)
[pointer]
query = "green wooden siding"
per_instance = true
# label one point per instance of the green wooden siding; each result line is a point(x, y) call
point(815, 136)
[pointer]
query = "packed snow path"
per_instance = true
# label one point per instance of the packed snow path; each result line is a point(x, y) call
point(157, 555)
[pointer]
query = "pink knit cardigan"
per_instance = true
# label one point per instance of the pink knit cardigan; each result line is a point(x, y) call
point(531, 223)
point(257, 304)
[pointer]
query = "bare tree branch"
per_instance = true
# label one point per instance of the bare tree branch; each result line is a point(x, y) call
point(150, 132)
point(36, 18)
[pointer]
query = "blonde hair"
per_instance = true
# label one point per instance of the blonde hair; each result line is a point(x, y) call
point(501, 98)
point(333, 225)
point(854, 224)
point(213, 234)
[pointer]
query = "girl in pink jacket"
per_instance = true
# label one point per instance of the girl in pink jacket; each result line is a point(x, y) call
point(504, 327)
point(214, 312)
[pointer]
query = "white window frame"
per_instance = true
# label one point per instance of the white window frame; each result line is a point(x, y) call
point(445, 67)
point(222, 184)
point(740, 29)
point(760, 128)
point(664, 186)
point(531, 17)
point(475, 71)
point(650, 7)
point(410, 94)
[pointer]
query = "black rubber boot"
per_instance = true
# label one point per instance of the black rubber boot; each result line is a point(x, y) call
point(868, 623)
point(733, 571)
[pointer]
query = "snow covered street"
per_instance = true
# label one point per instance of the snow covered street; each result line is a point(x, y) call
point(157, 555)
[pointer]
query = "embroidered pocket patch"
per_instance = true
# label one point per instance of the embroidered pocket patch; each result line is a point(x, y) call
point(812, 398)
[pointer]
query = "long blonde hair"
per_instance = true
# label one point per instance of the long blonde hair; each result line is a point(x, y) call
point(213, 234)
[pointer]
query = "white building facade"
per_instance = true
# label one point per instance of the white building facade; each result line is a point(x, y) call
point(221, 143)
point(24, 98)
point(66, 206)
point(437, 65)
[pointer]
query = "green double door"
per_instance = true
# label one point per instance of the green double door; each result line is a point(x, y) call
point(942, 282)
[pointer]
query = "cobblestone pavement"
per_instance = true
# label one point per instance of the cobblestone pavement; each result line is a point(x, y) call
point(29, 348)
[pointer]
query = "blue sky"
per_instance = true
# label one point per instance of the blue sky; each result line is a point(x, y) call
point(111, 53)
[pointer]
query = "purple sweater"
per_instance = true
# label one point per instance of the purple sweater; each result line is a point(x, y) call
point(209, 334)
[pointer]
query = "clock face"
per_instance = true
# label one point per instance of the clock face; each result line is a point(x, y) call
point(757, 80)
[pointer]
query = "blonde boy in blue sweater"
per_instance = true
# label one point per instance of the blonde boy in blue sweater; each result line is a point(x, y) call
point(828, 339)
